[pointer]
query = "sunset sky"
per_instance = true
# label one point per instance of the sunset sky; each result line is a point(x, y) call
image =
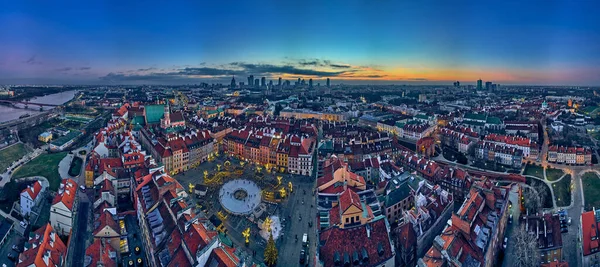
point(172, 42)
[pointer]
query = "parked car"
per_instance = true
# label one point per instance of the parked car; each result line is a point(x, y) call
point(505, 242)
point(12, 256)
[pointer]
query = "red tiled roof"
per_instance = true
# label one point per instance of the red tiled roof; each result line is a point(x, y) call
point(40, 245)
point(349, 198)
point(337, 241)
point(34, 190)
point(589, 231)
point(106, 220)
point(67, 197)
point(100, 252)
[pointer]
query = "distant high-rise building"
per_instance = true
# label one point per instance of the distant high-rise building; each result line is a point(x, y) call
point(328, 83)
point(251, 80)
point(298, 81)
point(241, 84)
point(288, 83)
point(256, 83)
point(310, 82)
point(233, 82)
point(279, 83)
point(270, 83)
point(479, 84)
point(488, 86)
point(457, 84)
point(303, 82)
point(263, 81)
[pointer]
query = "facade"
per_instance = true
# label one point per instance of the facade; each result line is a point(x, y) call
point(569, 155)
point(30, 197)
point(61, 211)
point(45, 137)
point(501, 154)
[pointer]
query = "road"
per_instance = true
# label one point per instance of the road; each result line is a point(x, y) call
point(80, 233)
point(30, 156)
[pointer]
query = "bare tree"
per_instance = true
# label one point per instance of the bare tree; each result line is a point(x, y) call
point(526, 251)
point(533, 199)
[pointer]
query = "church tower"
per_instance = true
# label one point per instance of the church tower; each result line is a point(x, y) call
point(166, 121)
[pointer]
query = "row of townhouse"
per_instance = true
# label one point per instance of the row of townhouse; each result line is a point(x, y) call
point(179, 152)
point(526, 145)
point(458, 137)
point(290, 152)
point(413, 130)
point(569, 155)
point(499, 153)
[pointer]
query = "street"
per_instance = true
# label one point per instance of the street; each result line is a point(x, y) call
point(80, 233)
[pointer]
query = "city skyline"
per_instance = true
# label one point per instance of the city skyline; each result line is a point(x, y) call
point(349, 42)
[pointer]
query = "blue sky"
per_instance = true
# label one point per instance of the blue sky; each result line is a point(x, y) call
point(518, 42)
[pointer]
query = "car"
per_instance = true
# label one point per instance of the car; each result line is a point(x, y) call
point(15, 248)
point(569, 221)
point(564, 230)
point(11, 256)
point(505, 242)
point(302, 257)
point(82, 188)
point(510, 219)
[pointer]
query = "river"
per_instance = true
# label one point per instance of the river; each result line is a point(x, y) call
point(9, 113)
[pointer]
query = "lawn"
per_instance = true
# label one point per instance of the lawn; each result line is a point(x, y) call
point(543, 190)
point(591, 190)
point(553, 174)
point(562, 191)
point(11, 154)
point(534, 170)
point(75, 168)
point(45, 165)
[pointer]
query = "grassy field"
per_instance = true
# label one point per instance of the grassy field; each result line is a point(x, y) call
point(45, 165)
point(10, 154)
point(543, 190)
point(553, 174)
point(591, 190)
point(562, 191)
point(534, 170)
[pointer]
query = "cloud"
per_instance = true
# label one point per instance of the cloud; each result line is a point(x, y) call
point(85, 68)
point(340, 66)
point(223, 72)
point(32, 61)
point(65, 69)
point(418, 79)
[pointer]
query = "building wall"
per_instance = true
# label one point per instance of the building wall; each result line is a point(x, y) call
point(61, 218)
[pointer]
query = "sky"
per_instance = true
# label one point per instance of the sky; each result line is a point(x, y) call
point(541, 42)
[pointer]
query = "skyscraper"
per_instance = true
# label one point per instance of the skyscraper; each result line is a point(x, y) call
point(279, 83)
point(457, 84)
point(488, 86)
point(479, 84)
point(251, 80)
point(233, 82)
point(298, 81)
point(270, 83)
point(263, 81)
point(328, 84)
point(310, 82)
point(256, 83)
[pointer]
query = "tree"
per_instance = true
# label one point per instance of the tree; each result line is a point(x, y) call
point(271, 252)
point(526, 251)
point(533, 200)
